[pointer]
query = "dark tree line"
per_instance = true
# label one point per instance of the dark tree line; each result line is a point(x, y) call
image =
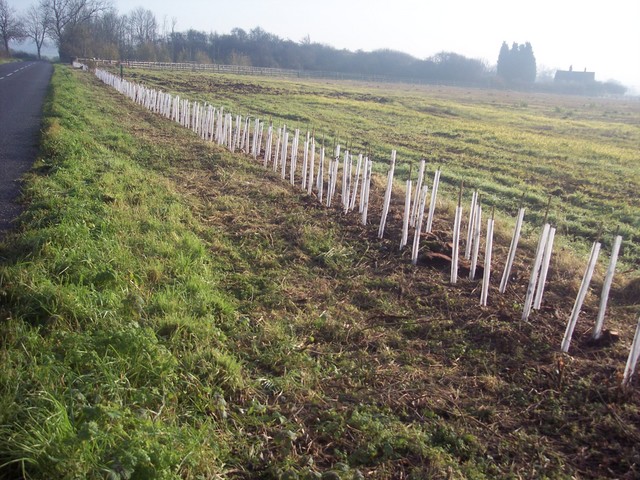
point(94, 28)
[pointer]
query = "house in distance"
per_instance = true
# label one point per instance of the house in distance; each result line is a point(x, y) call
point(571, 76)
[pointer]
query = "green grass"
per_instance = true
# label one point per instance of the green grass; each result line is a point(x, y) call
point(581, 152)
point(169, 310)
point(109, 254)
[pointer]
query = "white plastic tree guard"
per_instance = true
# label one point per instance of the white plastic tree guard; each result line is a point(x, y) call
point(456, 243)
point(305, 163)
point(512, 251)
point(476, 241)
point(312, 163)
point(320, 178)
point(283, 154)
point(486, 278)
point(356, 183)
point(276, 152)
point(434, 197)
point(347, 173)
point(535, 272)
point(544, 269)
point(582, 293)
point(632, 360)
point(407, 214)
point(606, 287)
point(471, 225)
point(366, 183)
point(294, 157)
point(418, 192)
point(268, 147)
point(387, 195)
point(418, 228)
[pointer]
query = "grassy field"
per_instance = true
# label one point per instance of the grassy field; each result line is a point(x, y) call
point(581, 152)
point(169, 310)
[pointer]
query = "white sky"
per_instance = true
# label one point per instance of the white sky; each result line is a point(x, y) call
point(603, 37)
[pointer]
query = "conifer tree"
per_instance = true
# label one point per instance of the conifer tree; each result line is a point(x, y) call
point(518, 64)
point(503, 61)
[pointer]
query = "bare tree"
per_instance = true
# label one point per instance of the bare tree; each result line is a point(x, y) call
point(108, 34)
point(10, 25)
point(144, 27)
point(69, 14)
point(36, 25)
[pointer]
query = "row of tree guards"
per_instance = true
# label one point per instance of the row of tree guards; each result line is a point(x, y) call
point(280, 149)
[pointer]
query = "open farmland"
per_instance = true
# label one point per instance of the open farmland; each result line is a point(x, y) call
point(583, 152)
point(171, 310)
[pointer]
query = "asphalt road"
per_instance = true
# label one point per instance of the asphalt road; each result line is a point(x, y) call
point(23, 86)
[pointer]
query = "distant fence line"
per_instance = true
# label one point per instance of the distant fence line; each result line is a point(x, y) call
point(270, 72)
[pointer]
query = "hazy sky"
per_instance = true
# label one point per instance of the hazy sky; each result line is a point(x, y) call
point(602, 36)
